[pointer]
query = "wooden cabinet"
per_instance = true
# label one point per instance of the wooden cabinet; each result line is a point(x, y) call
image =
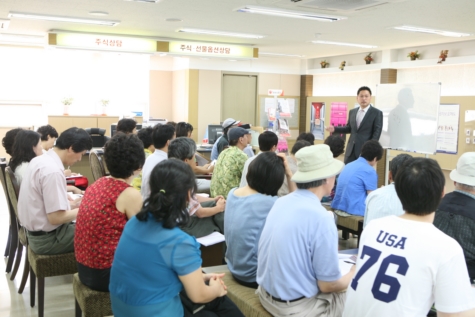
point(61, 123)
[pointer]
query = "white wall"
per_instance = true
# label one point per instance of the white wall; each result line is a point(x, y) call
point(209, 100)
point(344, 84)
point(457, 80)
point(180, 96)
point(49, 75)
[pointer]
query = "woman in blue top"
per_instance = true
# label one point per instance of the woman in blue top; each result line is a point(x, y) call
point(155, 259)
point(246, 212)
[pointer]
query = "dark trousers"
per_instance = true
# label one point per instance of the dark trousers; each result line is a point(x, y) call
point(96, 279)
point(352, 157)
point(219, 307)
point(247, 284)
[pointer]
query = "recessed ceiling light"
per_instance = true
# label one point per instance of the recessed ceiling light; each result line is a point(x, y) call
point(279, 54)
point(431, 31)
point(61, 19)
point(221, 33)
point(99, 13)
point(173, 20)
point(290, 14)
point(344, 44)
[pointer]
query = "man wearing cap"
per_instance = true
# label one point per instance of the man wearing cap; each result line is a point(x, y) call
point(228, 169)
point(297, 271)
point(222, 141)
point(456, 213)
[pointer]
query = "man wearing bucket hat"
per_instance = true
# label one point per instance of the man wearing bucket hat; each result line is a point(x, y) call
point(456, 213)
point(298, 272)
point(223, 141)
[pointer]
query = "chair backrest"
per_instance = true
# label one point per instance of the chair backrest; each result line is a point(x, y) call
point(12, 188)
point(95, 131)
point(97, 136)
point(97, 165)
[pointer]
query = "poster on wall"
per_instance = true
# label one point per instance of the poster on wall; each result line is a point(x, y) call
point(448, 129)
point(317, 120)
point(338, 115)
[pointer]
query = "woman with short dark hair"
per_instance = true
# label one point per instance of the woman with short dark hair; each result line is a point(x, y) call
point(26, 147)
point(106, 206)
point(155, 259)
point(246, 212)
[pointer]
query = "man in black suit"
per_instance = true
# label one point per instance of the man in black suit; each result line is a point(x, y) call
point(364, 123)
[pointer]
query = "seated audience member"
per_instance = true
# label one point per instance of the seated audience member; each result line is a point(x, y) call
point(267, 143)
point(183, 129)
point(161, 137)
point(43, 205)
point(248, 149)
point(297, 269)
point(337, 146)
point(9, 139)
point(405, 264)
point(456, 213)
point(384, 201)
point(246, 212)
point(145, 135)
point(48, 137)
point(127, 126)
point(357, 180)
point(292, 162)
point(107, 205)
point(222, 142)
point(206, 214)
point(307, 136)
point(155, 259)
point(172, 123)
point(27, 146)
point(228, 169)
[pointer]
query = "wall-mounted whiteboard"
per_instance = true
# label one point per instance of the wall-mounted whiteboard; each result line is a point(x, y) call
point(410, 116)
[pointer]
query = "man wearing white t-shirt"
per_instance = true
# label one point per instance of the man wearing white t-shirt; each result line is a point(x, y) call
point(405, 263)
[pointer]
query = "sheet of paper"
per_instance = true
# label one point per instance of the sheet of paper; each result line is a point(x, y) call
point(448, 129)
point(291, 105)
point(344, 267)
point(284, 106)
point(74, 176)
point(269, 103)
point(469, 115)
point(213, 238)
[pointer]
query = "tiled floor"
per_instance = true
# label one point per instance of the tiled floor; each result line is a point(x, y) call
point(59, 298)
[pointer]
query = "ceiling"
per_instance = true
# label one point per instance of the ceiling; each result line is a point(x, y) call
point(371, 25)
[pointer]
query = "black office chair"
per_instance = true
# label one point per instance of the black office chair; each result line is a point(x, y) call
point(97, 136)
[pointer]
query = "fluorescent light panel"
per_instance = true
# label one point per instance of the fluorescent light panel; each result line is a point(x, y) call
point(61, 19)
point(146, 1)
point(221, 33)
point(279, 54)
point(290, 14)
point(22, 39)
point(431, 31)
point(344, 44)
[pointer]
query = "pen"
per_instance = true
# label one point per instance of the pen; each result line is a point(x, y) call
point(350, 262)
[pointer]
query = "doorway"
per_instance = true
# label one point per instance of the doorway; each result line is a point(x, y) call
point(239, 98)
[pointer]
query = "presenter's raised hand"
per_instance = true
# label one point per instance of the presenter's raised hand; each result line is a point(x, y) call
point(330, 129)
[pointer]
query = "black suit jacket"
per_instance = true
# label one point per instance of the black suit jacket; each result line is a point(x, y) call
point(370, 129)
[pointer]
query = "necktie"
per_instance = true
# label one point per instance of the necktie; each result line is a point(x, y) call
point(359, 118)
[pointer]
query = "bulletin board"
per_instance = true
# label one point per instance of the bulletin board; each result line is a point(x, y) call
point(293, 122)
